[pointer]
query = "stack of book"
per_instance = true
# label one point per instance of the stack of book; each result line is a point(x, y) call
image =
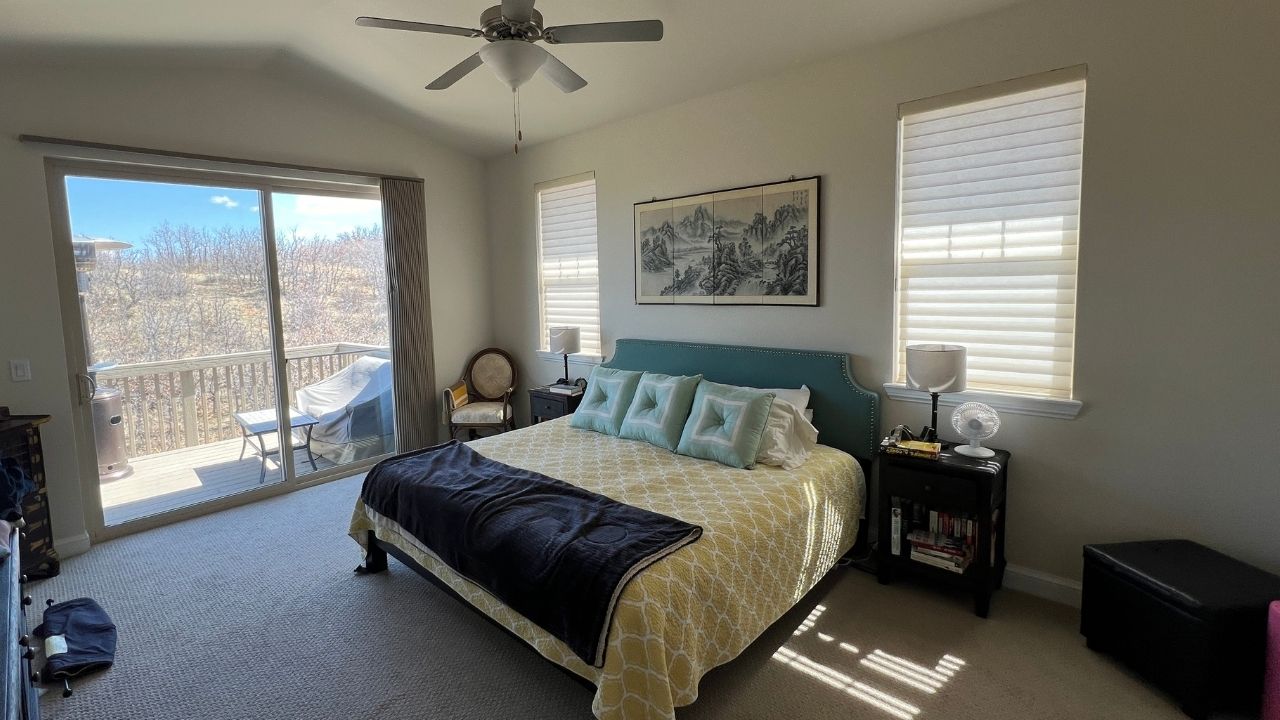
point(941, 539)
point(562, 389)
point(912, 448)
point(942, 551)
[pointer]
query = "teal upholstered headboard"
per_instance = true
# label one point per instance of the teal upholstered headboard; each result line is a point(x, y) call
point(847, 415)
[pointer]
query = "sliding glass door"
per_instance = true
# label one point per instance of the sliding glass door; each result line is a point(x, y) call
point(234, 333)
point(333, 305)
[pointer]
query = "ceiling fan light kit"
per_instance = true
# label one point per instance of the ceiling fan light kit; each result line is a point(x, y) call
point(511, 29)
point(513, 61)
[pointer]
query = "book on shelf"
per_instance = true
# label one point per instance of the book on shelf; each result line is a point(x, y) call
point(941, 543)
point(957, 566)
point(937, 537)
point(560, 389)
point(912, 448)
point(895, 538)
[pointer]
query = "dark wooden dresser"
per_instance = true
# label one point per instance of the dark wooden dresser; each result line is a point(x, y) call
point(21, 702)
point(22, 452)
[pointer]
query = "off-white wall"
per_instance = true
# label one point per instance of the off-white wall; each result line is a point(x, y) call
point(236, 113)
point(1178, 340)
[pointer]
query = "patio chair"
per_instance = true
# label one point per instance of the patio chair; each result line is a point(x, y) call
point(356, 410)
point(481, 399)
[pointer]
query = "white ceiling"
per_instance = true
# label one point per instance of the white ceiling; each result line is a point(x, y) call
point(709, 45)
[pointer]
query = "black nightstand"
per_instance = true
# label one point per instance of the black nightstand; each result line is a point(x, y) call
point(955, 484)
point(546, 405)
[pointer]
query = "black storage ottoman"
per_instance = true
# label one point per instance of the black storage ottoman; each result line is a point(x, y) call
point(1189, 619)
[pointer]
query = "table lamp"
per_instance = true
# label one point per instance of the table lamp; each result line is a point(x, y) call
point(565, 341)
point(935, 369)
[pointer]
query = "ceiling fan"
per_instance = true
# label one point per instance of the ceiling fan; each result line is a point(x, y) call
point(511, 29)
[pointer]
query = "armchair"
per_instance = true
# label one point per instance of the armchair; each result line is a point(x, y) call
point(481, 399)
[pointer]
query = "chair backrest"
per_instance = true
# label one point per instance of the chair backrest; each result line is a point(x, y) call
point(490, 374)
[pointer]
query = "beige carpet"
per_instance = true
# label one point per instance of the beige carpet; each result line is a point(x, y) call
point(255, 613)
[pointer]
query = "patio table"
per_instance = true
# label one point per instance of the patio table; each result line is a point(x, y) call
point(260, 423)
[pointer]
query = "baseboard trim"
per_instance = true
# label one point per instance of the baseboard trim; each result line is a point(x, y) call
point(72, 546)
point(1042, 585)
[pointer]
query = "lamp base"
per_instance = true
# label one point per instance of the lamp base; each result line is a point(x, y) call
point(974, 451)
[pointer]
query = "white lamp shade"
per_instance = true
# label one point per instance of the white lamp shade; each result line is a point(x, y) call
point(513, 61)
point(936, 368)
point(565, 340)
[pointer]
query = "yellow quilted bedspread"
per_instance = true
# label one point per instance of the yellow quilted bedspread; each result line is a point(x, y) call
point(768, 536)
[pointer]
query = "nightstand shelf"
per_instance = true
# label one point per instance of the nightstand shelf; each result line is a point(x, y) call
point(546, 405)
point(962, 487)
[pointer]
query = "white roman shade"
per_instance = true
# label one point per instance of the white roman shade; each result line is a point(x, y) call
point(989, 205)
point(568, 258)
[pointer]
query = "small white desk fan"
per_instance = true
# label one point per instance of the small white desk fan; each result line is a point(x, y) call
point(975, 422)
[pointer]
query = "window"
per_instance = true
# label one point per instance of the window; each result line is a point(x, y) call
point(988, 211)
point(568, 263)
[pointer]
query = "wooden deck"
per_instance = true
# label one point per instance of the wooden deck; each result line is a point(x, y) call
point(178, 478)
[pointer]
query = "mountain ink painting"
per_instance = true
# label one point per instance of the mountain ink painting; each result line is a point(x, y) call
point(750, 246)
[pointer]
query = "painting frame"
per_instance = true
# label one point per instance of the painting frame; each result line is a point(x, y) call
point(754, 245)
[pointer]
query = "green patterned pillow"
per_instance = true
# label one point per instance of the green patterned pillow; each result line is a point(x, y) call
point(659, 409)
point(606, 401)
point(725, 424)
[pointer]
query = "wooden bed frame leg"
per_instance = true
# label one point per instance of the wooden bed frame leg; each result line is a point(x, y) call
point(375, 558)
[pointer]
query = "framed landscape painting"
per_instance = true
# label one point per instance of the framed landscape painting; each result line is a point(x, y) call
point(755, 245)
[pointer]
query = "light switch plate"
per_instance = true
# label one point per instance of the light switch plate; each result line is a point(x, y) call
point(20, 370)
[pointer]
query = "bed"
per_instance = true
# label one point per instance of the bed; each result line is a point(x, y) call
point(769, 535)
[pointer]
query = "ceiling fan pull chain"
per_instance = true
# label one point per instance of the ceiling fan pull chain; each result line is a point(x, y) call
point(515, 118)
point(519, 120)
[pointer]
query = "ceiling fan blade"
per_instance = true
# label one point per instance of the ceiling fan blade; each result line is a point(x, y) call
point(517, 11)
point(629, 31)
point(416, 26)
point(560, 74)
point(456, 73)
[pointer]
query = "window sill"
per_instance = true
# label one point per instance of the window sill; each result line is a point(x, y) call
point(575, 359)
point(1017, 404)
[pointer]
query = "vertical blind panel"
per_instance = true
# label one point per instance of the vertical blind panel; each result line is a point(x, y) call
point(569, 263)
point(989, 205)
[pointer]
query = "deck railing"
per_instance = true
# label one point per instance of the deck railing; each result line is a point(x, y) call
point(174, 404)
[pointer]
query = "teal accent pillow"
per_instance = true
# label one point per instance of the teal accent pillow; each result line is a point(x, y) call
point(606, 400)
point(659, 409)
point(725, 424)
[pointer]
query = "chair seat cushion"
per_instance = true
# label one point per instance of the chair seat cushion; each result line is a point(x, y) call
point(480, 413)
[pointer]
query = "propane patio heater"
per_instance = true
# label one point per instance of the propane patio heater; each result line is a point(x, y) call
point(107, 403)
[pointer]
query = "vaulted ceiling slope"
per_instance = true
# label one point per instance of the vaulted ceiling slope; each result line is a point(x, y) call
point(709, 45)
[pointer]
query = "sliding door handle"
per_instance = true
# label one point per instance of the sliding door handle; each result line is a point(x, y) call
point(88, 387)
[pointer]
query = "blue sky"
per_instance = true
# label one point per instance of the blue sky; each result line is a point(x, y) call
point(128, 209)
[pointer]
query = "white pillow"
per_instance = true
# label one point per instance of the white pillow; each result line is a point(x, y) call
point(788, 437)
point(799, 398)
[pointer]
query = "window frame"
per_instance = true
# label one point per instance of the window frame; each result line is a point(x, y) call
point(1019, 403)
point(542, 350)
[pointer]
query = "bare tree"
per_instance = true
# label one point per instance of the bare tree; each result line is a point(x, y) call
point(186, 291)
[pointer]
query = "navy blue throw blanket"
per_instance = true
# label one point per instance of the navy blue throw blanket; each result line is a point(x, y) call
point(553, 552)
